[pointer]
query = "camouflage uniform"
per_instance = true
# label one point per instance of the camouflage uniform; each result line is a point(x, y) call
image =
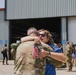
point(13, 48)
point(69, 57)
point(26, 64)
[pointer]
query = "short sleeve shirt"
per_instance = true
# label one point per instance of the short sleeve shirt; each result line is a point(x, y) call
point(50, 69)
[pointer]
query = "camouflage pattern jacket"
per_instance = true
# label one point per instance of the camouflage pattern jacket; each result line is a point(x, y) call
point(27, 64)
point(68, 50)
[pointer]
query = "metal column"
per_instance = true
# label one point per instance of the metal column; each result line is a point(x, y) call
point(63, 32)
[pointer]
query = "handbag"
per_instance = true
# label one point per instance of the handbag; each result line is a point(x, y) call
point(2, 52)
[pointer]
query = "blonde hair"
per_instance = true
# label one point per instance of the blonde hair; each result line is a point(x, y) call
point(48, 35)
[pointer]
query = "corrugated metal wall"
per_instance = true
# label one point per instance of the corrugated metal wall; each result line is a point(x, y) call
point(72, 29)
point(22, 9)
point(4, 32)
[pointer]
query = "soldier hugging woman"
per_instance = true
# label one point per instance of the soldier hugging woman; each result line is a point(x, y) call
point(37, 54)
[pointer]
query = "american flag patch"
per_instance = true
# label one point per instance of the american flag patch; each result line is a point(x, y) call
point(35, 52)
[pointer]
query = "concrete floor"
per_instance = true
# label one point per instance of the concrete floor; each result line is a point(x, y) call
point(8, 69)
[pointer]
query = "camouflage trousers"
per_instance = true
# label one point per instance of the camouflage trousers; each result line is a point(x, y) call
point(69, 64)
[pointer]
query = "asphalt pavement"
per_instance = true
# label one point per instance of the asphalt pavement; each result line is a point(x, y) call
point(8, 69)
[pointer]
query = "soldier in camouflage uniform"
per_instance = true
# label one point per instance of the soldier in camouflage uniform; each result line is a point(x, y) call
point(68, 50)
point(13, 50)
point(73, 53)
point(27, 62)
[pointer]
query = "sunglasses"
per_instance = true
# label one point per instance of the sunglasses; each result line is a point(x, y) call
point(42, 35)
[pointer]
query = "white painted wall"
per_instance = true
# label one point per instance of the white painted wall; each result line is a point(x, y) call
point(4, 32)
point(2, 3)
point(72, 29)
